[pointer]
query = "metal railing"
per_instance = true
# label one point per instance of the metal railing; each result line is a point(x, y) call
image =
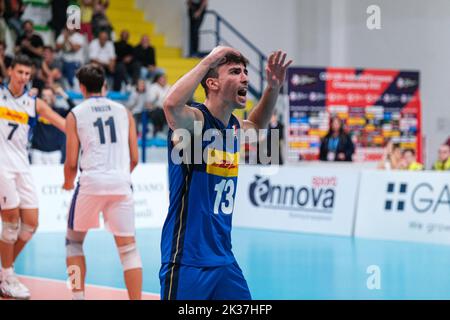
point(221, 24)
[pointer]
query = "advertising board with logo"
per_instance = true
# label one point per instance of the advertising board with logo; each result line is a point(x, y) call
point(376, 106)
point(150, 192)
point(316, 200)
point(404, 206)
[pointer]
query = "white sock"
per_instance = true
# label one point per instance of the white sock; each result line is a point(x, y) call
point(6, 273)
point(78, 295)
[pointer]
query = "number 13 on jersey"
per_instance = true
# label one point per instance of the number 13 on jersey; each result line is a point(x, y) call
point(224, 196)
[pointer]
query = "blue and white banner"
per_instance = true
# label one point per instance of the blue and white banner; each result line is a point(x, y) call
point(151, 196)
point(409, 206)
point(312, 199)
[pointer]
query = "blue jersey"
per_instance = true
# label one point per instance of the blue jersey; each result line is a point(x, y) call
point(197, 230)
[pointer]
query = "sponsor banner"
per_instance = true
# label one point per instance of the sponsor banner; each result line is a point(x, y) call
point(404, 206)
point(316, 200)
point(376, 106)
point(150, 185)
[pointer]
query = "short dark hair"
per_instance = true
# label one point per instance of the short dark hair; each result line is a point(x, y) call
point(27, 21)
point(228, 59)
point(396, 146)
point(92, 76)
point(410, 150)
point(22, 60)
point(49, 48)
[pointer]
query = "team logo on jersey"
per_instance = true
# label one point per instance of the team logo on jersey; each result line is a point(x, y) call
point(13, 115)
point(221, 163)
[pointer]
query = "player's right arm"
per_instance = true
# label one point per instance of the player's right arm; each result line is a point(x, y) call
point(132, 141)
point(72, 152)
point(178, 114)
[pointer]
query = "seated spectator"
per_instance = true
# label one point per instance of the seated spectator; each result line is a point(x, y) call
point(100, 21)
point(137, 102)
point(125, 58)
point(51, 67)
point(144, 55)
point(47, 144)
point(156, 95)
point(102, 52)
point(70, 43)
point(5, 62)
point(409, 161)
point(13, 12)
point(392, 157)
point(36, 84)
point(337, 145)
point(443, 162)
point(30, 43)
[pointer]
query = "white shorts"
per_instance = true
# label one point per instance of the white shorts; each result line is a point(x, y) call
point(45, 158)
point(118, 213)
point(17, 190)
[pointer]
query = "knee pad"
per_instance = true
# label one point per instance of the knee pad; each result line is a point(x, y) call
point(10, 232)
point(26, 232)
point(74, 243)
point(129, 256)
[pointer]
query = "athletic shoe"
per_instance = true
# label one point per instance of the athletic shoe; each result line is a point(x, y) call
point(13, 288)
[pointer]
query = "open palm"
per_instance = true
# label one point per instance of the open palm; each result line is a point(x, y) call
point(276, 69)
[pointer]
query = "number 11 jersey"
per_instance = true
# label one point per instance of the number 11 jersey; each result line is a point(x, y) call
point(103, 131)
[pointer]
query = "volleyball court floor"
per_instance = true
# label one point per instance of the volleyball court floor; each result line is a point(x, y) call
point(277, 265)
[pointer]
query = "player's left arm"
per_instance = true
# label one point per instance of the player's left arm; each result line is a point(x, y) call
point(260, 115)
point(44, 110)
point(72, 152)
point(132, 141)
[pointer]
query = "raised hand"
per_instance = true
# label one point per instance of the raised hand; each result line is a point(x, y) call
point(276, 69)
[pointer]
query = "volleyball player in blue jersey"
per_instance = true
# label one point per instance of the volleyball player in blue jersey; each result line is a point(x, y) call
point(197, 260)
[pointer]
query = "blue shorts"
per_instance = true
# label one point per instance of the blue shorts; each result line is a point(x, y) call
point(180, 282)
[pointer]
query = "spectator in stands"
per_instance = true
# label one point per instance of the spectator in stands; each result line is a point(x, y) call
point(125, 57)
point(274, 124)
point(87, 11)
point(337, 145)
point(59, 17)
point(13, 12)
point(392, 157)
point(443, 162)
point(137, 103)
point(5, 62)
point(30, 43)
point(156, 95)
point(409, 161)
point(51, 67)
point(100, 21)
point(71, 44)
point(144, 54)
point(48, 142)
point(197, 10)
point(102, 52)
point(36, 85)
point(3, 25)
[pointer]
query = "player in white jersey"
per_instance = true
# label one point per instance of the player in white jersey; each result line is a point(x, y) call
point(106, 134)
point(18, 199)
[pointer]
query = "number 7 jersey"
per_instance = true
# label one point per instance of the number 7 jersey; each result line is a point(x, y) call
point(103, 131)
point(197, 230)
point(17, 115)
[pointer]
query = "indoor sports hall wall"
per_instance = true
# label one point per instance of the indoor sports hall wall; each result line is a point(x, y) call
point(336, 200)
point(413, 36)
